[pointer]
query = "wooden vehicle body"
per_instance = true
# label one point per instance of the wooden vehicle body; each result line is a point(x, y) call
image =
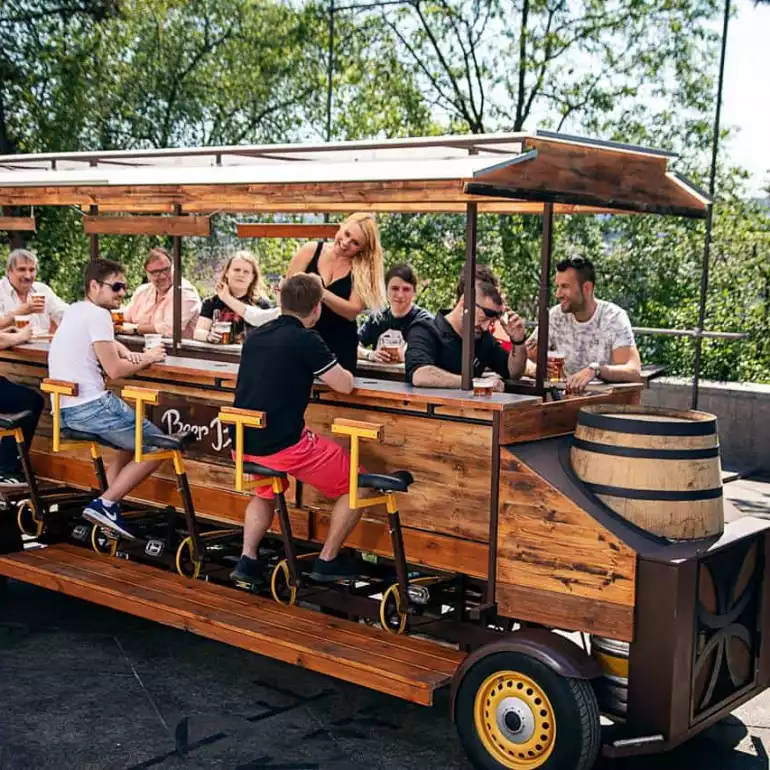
point(494, 502)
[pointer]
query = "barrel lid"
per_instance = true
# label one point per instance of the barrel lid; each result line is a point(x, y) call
point(648, 420)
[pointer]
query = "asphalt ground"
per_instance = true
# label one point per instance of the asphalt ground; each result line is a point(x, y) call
point(86, 687)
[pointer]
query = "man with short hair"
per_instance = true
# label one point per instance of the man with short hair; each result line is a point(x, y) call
point(16, 398)
point(152, 306)
point(434, 347)
point(594, 335)
point(279, 363)
point(83, 350)
point(22, 295)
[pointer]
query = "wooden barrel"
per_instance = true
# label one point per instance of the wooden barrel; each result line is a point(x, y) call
point(657, 468)
point(612, 688)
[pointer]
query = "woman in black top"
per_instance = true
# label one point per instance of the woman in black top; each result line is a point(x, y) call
point(386, 332)
point(239, 300)
point(351, 271)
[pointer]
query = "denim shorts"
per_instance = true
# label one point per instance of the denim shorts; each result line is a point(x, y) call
point(109, 418)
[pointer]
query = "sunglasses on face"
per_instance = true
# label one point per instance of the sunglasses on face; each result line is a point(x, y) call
point(160, 271)
point(492, 314)
point(116, 287)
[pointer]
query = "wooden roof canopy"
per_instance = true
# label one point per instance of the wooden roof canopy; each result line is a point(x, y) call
point(503, 173)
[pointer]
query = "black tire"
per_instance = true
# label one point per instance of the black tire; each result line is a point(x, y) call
point(573, 703)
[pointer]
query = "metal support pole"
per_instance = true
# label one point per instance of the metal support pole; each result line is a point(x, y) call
point(704, 279)
point(94, 237)
point(177, 285)
point(330, 73)
point(469, 297)
point(546, 249)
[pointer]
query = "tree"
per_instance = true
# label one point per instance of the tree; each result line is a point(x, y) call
point(499, 64)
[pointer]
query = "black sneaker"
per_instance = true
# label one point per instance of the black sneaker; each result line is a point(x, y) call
point(12, 480)
point(249, 571)
point(341, 567)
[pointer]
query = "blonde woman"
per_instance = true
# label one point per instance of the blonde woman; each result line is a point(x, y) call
point(239, 299)
point(351, 270)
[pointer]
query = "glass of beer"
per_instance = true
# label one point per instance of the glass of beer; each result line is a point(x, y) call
point(118, 317)
point(20, 321)
point(555, 366)
point(391, 353)
point(483, 386)
point(152, 341)
point(38, 302)
point(225, 330)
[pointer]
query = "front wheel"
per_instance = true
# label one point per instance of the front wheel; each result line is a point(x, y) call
point(513, 712)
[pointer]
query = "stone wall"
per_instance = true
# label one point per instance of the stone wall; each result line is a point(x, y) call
point(743, 411)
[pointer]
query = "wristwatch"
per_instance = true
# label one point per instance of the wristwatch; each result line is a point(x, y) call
point(597, 367)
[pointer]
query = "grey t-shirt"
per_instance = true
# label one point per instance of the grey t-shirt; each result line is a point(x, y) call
point(593, 340)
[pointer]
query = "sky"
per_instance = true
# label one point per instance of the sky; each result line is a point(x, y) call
point(746, 100)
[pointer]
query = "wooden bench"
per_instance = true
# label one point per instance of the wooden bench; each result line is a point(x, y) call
point(408, 668)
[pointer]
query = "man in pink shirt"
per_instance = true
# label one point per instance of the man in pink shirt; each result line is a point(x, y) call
point(152, 306)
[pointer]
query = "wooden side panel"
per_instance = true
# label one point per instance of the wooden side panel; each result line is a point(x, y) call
point(147, 225)
point(556, 564)
point(285, 230)
point(451, 463)
point(215, 501)
point(17, 223)
point(555, 418)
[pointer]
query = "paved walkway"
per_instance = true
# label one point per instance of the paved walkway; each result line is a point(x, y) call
point(88, 688)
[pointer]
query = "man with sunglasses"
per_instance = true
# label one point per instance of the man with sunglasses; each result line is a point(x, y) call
point(594, 335)
point(152, 306)
point(435, 346)
point(83, 351)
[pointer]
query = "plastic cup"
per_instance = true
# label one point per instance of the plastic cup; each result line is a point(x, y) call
point(152, 341)
point(483, 386)
point(118, 317)
point(555, 366)
point(38, 300)
point(20, 321)
point(225, 330)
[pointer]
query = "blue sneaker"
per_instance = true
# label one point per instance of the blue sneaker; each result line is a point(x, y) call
point(108, 517)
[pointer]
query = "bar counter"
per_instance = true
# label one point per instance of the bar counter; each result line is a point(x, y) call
point(450, 440)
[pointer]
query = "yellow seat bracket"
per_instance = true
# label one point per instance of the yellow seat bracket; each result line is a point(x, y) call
point(358, 430)
point(245, 418)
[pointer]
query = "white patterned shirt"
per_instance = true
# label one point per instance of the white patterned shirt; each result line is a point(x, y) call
point(54, 306)
point(593, 340)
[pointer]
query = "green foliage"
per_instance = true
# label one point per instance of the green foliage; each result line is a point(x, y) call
point(157, 73)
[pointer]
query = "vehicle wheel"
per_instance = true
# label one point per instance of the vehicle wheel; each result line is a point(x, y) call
point(186, 566)
point(392, 617)
point(283, 592)
point(25, 518)
point(103, 543)
point(513, 712)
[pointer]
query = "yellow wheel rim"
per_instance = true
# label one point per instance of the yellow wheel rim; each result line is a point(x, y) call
point(183, 569)
point(515, 720)
point(111, 542)
point(25, 507)
point(281, 573)
point(394, 595)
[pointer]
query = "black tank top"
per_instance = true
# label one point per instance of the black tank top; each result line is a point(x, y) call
point(337, 332)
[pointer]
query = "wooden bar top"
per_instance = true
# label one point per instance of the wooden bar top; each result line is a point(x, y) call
point(223, 374)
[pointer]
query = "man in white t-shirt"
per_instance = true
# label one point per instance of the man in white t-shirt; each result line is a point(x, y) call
point(22, 295)
point(83, 351)
point(594, 335)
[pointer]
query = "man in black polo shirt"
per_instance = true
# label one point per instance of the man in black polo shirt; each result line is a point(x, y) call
point(434, 348)
point(278, 365)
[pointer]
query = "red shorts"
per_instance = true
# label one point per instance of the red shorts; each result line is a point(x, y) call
point(314, 460)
